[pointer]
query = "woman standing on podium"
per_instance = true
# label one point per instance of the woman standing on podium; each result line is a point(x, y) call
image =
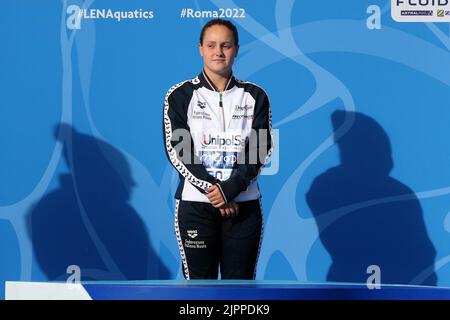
point(217, 134)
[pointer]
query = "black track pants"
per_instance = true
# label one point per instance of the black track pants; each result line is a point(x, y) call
point(207, 241)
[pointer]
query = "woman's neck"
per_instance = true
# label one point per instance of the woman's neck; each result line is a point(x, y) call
point(219, 81)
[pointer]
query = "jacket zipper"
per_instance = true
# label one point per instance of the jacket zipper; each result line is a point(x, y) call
point(221, 109)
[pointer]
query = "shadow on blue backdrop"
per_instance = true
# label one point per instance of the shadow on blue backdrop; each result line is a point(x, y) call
point(88, 222)
point(383, 230)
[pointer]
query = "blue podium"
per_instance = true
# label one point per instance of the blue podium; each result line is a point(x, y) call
point(217, 290)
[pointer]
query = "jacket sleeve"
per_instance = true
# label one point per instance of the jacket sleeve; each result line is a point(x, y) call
point(189, 166)
point(246, 172)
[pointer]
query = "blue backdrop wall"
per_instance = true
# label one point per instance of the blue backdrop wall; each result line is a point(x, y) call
point(360, 106)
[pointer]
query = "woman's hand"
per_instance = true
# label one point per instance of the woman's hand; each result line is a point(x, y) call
point(215, 196)
point(229, 210)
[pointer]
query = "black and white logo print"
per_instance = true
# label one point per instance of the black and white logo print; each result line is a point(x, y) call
point(201, 105)
point(192, 233)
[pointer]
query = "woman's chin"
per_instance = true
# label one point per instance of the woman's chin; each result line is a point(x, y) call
point(219, 70)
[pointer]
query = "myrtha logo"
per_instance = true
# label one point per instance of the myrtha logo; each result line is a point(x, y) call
point(218, 159)
point(192, 233)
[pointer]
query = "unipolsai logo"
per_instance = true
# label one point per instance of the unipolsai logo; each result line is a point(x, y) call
point(242, 108)
point(222, 139)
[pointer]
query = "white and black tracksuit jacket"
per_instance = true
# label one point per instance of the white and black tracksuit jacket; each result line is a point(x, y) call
point(220, 124)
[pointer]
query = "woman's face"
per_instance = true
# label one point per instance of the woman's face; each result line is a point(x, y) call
point(218, 49)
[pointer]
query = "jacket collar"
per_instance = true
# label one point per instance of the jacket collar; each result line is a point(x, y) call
point(206, 82)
